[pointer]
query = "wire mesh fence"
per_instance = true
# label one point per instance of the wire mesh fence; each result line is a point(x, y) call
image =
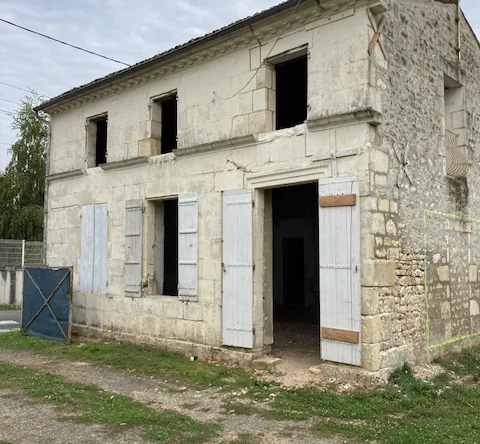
point(20, 253)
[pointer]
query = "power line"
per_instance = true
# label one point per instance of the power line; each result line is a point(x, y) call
point(23, 89)
point(10, 101)
point(16, 87)
point(266, 57)
point(6, 112)
point(64, 43)
point(5, 143)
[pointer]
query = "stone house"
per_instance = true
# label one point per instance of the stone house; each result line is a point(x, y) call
point(302, 178)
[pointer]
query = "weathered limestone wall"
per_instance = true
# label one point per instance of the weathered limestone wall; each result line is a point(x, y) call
point(340, 86)
point(210, 106)
point(208, 175)
point(423, 308)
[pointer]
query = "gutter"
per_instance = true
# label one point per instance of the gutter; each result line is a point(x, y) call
point(45, 197)
point(176, 51)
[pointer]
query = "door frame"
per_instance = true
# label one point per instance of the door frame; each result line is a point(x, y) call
point(261, 185)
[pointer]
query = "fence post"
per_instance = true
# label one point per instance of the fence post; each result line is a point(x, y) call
point(23, 253)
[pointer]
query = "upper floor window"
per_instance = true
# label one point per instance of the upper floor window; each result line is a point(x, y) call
point(164, 122)
point(455, 128)
point(97, 134)
point(291, 92)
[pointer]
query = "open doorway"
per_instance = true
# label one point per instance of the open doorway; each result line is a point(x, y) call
point(295, 271)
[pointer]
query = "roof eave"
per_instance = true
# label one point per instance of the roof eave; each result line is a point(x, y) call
point(119, 75)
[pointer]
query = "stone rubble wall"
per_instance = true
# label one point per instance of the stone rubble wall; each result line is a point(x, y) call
point(429, 300)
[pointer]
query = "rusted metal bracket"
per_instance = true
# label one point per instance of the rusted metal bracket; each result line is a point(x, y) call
point(377, 29)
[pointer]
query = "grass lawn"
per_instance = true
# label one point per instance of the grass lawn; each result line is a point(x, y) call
point(8, 307)
point(137, 359)
point(442, 410)
point(88, 404)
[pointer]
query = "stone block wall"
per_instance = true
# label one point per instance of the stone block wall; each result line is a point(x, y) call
point(432, 301)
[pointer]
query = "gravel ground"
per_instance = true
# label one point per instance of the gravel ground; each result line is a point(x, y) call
point(24, 422)
point(205, 405)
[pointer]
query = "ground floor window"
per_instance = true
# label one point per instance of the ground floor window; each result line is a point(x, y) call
point(165, 248)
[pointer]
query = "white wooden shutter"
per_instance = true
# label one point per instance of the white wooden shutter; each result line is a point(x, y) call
point(86, 249)
point(133, 247)
point(187, 244)
point(237, 257)
point(100, 261)
point(339, 254)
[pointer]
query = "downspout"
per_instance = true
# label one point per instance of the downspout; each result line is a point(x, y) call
point(45, 198)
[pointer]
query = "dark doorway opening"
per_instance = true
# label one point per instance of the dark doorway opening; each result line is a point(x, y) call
point(291, 92)
point(295, 270)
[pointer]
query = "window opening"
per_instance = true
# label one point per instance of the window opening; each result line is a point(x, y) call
point(166, 247)
point(101, 142)
point(97, 133)
point(291, 92)
point(164, 114)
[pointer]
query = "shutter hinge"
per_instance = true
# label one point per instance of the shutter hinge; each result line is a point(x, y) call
point(253, 267)
point(253, 203)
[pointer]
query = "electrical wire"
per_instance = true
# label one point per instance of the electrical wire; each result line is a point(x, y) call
point(23, 89)
point(10, 101)
point(7, 112)
point(64, 43)
point(16, 87)
point(266, 57)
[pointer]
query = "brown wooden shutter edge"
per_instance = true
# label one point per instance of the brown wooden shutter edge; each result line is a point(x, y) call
point(341, 200)
point(335, 334)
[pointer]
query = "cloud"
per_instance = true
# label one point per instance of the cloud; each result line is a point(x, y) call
point(110, 27)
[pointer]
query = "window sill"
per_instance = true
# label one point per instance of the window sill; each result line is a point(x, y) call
point(166, 298)
point(124, 163)
point(234, 142)
point(368, 115)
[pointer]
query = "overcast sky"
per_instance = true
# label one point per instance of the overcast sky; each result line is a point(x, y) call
point(121, 29)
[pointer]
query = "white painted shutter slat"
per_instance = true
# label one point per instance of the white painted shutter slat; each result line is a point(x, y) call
point(237, 257)
point(133, 247)
point(100, 262)
point(339, 254)
point(86, 249)
point(187, 244)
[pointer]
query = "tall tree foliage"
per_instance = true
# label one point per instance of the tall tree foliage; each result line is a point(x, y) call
point(22, 184)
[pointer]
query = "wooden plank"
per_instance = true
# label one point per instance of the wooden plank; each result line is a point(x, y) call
point(237, 269)
point(336, 334)
point(341, 200)
point(133, 247)
point(339, 253)
point(100, 260)
point(187, 244)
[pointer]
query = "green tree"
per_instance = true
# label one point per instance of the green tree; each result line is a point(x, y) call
point(22, 184)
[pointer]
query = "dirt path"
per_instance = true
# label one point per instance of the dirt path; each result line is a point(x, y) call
point(205, 405)
point(24, 422)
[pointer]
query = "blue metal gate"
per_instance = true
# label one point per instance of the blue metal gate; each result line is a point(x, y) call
point(46, 303)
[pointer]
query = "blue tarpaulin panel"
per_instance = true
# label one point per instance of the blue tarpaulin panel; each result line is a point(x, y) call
point(46, 302)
